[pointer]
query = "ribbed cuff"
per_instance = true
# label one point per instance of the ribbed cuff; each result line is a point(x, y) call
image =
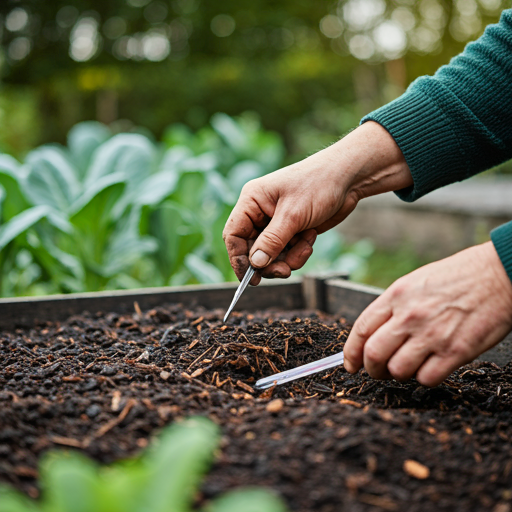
point(423, 133)
point(502, 239)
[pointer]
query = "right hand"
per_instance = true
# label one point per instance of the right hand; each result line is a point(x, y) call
point(278, 216)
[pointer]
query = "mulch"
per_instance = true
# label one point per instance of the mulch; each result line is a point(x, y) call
point(106, 383)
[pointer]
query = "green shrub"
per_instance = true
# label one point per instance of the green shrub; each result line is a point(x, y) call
point(164, 479)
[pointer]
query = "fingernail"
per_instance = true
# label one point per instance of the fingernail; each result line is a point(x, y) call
point(260, 259)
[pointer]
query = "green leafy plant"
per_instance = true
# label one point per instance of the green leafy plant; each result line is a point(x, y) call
point(164, 479)
point(119, 211)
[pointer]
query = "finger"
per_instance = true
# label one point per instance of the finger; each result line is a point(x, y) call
point(297, 256)
point(375, 315)
point(243, 225)
point(381, 347)
point(436, 369)
point(406, 361)
point(274, 238)
point(277, 269)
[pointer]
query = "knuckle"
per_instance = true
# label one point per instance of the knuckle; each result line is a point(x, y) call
point(273, 239)
point(372, 354)
point(361, 328)
point(398, 288)
point(413, 316)
point(295, 218)
point(249, 187)
point(398, 371)
point(459, 350)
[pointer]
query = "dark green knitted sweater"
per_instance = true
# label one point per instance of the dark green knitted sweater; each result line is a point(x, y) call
point(458, 122)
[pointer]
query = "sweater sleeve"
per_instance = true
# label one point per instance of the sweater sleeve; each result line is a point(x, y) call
point(458, 122)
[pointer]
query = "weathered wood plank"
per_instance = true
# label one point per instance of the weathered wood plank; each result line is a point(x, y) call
point(348, 299)
point(314, 288)
point(27, 311)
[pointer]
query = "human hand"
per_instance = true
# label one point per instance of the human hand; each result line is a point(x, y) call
point(277, 217)
point(435, 319)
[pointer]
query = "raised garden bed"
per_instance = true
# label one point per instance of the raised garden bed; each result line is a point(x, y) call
point(106, 381)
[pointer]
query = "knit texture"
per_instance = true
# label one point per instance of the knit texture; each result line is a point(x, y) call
point(458, 122)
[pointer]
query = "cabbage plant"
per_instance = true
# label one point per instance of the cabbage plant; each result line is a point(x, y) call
point(165, 478)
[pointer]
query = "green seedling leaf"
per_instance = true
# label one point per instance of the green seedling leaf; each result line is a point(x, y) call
point(83, 140)
point(177, 465)
point(204, 272)
point(13, 501)
point(51, 180)
point(249, 500)
point(70, 483)
point(19, 224)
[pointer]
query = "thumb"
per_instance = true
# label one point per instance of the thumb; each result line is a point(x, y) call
point(272, 241)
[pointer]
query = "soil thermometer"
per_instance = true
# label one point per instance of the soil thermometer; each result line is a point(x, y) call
point(241, 287)
point(300, 371)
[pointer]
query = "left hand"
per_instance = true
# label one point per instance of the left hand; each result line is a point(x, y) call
point(435, 319)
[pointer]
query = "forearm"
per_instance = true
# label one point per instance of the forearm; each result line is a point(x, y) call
point(457, 123)
point(367, 161)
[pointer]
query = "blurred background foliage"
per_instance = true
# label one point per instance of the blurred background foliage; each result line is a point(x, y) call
point(150, 76)
point(309, 69)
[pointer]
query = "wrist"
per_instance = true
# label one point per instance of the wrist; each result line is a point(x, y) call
point(370, 162)
point(501, 283)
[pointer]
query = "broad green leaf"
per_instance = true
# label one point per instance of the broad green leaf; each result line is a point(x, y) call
point(203, 271)
point(243, 172)
point(51, 180)
point(178, 135)
point(19, 224)
point(231, 132)
point(83, 139)
point(178, 232)
point(129, 153)
point(125, 246)
point(13, 501)
point(190, 190)
point(69, 261)
point(248, 500)
point(174, 157)
point(202, 163)
point(10, 165)
point(70, 483)
point(11, 174)
point(96, 188)
point(178, 463)
point(218, 188)
point(156, 188)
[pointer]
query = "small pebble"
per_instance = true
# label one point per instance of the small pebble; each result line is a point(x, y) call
point(90, 385)
point(93, 411)
point(164, 375)
point(275, 405)
point(108, 371)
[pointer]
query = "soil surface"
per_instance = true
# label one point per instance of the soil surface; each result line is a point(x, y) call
point(105, 384)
